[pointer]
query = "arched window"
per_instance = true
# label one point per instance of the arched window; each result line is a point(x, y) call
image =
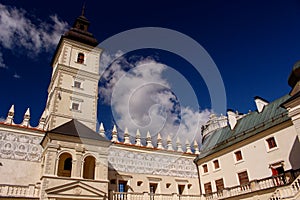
point(89, 167)
point(80, 58)
point(64, 165)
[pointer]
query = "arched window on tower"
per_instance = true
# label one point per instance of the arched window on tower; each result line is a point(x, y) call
point(80, 58)
point(64, 165)
point(89, 167)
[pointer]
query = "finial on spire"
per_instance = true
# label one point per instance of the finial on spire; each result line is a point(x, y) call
point(83, 9)
point(10, 115)
point(126, 136)
point(149, 142)
point(138, 138)
point(114, 134)
point(102, 130)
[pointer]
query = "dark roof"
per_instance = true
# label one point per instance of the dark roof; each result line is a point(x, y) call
point(77, 129)
point(251, 124)
point(295, 75)
point(79, 32)
point(295, 96)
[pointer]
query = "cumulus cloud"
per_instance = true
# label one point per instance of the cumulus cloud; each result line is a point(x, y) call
point(19, 31)
point(142, 98)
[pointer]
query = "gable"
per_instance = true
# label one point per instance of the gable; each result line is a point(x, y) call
point(78, 190)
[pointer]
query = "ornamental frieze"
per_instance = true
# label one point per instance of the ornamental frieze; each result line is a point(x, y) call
point(20, 147)
point(151, 163)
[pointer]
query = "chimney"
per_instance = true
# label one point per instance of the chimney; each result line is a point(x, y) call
point(232, 118)
point(260, 103)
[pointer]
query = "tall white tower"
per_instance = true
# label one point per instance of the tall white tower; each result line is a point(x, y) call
point(73, 90)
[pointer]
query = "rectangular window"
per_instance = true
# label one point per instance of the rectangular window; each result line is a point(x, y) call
point(122, 186)
point(152, 188)
point(77, 84)
point(207, 188)
point(243, 178)
point(271, 142)
point(205, 168)
point(219, 184)
point(80, 58)
point(75, 106)
point(216, 164)
point(238, 155)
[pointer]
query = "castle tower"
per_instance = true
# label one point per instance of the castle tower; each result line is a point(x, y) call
point(73, 90)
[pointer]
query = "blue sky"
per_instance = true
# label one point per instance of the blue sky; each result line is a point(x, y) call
point(253, 43)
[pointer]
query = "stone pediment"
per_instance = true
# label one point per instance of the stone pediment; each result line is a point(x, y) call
point(76, 190)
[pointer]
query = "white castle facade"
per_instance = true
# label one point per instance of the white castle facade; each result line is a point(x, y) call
point(252, 156)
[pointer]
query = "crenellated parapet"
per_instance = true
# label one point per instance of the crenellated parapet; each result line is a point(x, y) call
point(171, 144)
point(26, 119)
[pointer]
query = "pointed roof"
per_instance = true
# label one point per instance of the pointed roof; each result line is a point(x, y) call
point(79, 32)
point(77, 129)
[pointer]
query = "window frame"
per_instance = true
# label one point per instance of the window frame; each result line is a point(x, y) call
point(205, 166)
point(238, 177)
point(79, 59)
point(218, 163)
point(236, 156)
point(204, 186)
point(76, 104)
point(272, 138)
point(75, 84)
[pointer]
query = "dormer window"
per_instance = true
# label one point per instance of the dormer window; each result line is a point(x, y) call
point(80, 58)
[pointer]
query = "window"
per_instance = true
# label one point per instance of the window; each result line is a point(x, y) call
point(216, 164)
point(64, 165)
point(77, 84)
point(219, 184)
point(153, 187)
point(238, 155)
point(75, 106)
point(207, 188)
point(271, 142)
point(89, 167)
point(181, 189)
point(80, 58)
point(122, 186)
point(139, 183)
point(205, 168)
point(243, 178)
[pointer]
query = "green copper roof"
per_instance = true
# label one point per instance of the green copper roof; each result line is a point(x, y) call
point(251, 124)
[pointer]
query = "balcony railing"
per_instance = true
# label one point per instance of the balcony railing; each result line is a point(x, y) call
point(267, 183)
point(150, 196)
point(287, 192)
point(30, 191)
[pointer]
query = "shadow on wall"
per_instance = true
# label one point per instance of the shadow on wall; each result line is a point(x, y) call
point(294, 157)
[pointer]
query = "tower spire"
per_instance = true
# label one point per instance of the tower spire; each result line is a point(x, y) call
point(83, 9)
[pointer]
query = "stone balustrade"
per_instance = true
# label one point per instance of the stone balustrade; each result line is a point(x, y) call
point(30, 191)
point(280, 181)
point(147, 196)
point(289, 192)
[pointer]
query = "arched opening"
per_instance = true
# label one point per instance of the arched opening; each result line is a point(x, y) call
point(80, 58)
point(89, 167)
point(64, 165)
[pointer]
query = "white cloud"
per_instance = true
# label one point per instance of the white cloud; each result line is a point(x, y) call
point(16, 76)
point(2, 64)
point(2, 119)
point(18, 30)
point(141, 98)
